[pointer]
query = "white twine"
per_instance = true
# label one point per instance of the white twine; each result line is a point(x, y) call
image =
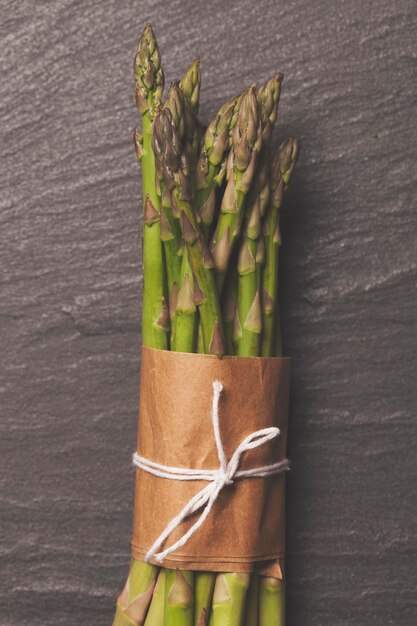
point(217, 478)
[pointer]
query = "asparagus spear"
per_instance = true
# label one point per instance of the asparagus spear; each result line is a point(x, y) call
point(271, 602)
point(178, 598)
point(136, 596)
point(211, 166)
point(248, 327)
point(229, 307)
point(281, 173)
point(149, 79)
point(155, 615)
point(184, 315)
point(252, 602)
point(190, 84)
point(240, 169)
point(229, 600)
point(268, 98)
point(272, 591)
point(170, 149)
point(185, 323)
point(203, 593)
point(149, 85)
point(170, 227)
point(248, 323)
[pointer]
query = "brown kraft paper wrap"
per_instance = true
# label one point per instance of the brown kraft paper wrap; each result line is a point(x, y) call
point(245, 530)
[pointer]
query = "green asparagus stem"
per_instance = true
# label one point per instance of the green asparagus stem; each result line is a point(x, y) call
point(200, 340)
point(178, 267)
point(203, 593)
point(248, 328)
point(229, 600)
point(271, 590)
point(178, 598)
point(211, 166)
point(170, 228)
point(133, 602)
point(155, 616)
point(183, 99)
point(149, 79)
point(170, 149)
point(240, 169)
point(229, 307)
point(271, 602)
point(252, 602)
point(281, 173)
point(185, 324)
point(149, 84)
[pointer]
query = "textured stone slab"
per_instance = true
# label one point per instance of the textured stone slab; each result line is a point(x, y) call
point(70, 287)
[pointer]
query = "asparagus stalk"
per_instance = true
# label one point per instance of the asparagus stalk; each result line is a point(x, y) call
point(170, 149)
point(200, 340)
point(281, 173)
point(252, 602)
point(185, 323)
point(155, 616)
point(268, 99)
point(149, 84)
point(229, 597)
point(178, 598)
point(190, 85)
point(229, 307)
point(149, 79)
point(170, 227)
point(248, 328)
point(211, 166)
point(240, 169)
point(271, 602)
point(272, 591)
point(133, 602)
point(203, 594)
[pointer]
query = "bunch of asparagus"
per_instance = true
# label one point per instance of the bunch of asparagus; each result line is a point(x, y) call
point(211, 203)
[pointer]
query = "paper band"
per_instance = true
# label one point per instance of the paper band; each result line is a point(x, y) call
point(245, 527)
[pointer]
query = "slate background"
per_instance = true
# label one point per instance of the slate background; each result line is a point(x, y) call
point(70, 293)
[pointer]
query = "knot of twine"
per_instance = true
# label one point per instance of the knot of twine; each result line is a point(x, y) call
point(226, 474)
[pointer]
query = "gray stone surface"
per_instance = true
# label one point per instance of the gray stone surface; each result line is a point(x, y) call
point(70, 293)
